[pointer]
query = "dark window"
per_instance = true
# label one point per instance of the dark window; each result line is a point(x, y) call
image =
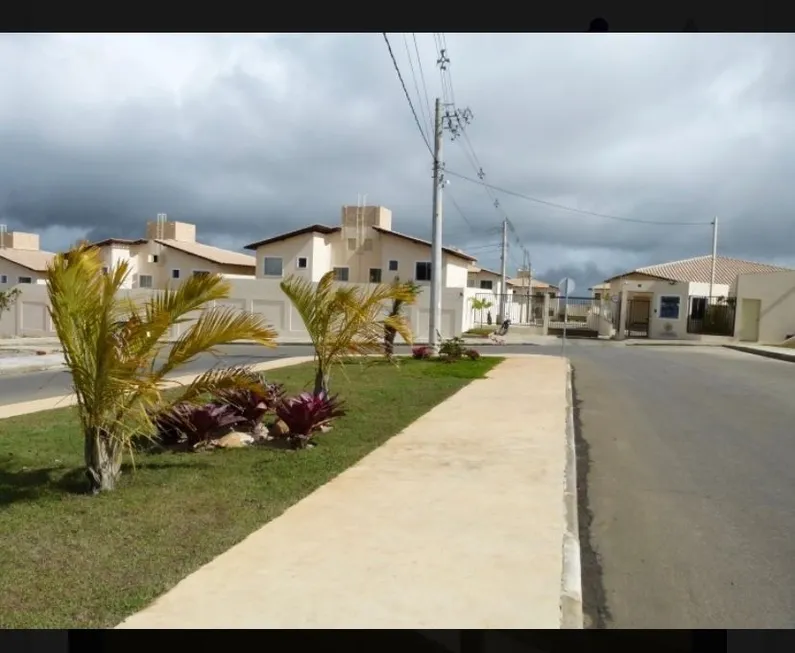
point(375, 275)
point(25, 280)
point(175, 274)
point(272, 266)
point(422, 271)
point(393, 266)
point(302, 263)
point(200, 273)
point(486, 284)
point(669, 307)
point(340, 274)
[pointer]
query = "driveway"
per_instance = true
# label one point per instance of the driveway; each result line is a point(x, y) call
point(689, 487)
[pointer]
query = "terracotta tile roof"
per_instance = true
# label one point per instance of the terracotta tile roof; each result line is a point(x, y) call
point(537, 283)
point(699, 269)
point(314, 228)
point(450, 250)
point(118, 241)
point(210, 253)
point(474, 269)
point(32, 259)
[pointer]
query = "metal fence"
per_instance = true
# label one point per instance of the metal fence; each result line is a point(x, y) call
point(519, 309)
point(578, 314)
point(713, 316)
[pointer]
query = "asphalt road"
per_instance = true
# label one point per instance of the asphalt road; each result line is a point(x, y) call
point(26, 386)
point(688, 501)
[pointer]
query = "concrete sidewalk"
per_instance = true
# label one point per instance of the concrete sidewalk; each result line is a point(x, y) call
point(768, 351)
point(457, 522)
point(30, 363)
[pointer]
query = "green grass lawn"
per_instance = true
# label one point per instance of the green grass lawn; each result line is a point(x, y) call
point(480, 331)
point(76, 561)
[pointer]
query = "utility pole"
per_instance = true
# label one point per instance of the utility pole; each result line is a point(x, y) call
point(435, 321)
point(503, 268)
point(714, 256)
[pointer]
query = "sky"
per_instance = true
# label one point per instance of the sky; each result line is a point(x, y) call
point(251, 135)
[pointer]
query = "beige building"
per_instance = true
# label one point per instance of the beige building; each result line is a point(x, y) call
point(170, 253)
point(362, 249)
point(485, 279)
point(21, 260)
point(678, 294)
point(765, 305)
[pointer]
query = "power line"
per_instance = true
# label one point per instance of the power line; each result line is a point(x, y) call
point(408, 97)
point(569, 208)
point(427, 116)
point(422, 78)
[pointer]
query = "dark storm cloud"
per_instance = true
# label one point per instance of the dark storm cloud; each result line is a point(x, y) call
point(250, 135)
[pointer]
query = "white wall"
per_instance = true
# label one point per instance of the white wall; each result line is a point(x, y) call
point(700, 289)
point(30, 317)
point(776, 292)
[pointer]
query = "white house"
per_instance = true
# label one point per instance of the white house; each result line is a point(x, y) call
point(21, 260)
point(362, 249)
point(170, 253)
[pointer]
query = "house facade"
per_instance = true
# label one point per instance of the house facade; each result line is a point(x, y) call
point(676, 297)
point(765, 306)
point(169, 254)
point(21, 260)
point(362, 249)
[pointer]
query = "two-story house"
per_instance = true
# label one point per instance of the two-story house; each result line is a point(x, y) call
point(485, 279)
point(362, 249)
point(21, 260)
point(170, 253)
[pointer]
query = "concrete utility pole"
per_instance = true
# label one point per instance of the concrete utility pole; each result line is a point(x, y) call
point(714, 256)
point(503, 269)
point(435, 322)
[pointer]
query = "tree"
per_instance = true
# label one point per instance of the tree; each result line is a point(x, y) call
point(480, 305)
point(7, 299)
point(115, 351)
point(345, 321)
point(398, 304)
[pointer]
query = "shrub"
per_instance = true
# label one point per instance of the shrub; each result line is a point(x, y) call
point(489, 320)
point(252, 404)
point(422, 352)
point(307, 414)
point(452, 348)
point(187, 425)
point(472, 354)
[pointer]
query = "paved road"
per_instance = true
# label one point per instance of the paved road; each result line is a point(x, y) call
point(691, 487)
point(26, 386)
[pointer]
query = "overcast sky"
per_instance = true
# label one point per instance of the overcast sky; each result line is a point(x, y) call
point(251, 135)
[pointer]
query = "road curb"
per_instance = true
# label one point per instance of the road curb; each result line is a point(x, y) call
point(571, 614)
point(31, 368)
point(64, 401)
point(779, 356)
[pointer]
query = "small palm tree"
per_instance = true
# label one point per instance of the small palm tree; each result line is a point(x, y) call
point(345, 321)
point(480, 305)
point(398, 305)
point(113, 349)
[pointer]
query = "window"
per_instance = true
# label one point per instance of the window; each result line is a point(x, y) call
point(175, 273)
point(302, 263)
point(104, 270)
point(144, 280)
point(272, 266)
point(152, 258)
point(201, 273)
point(25, 280)
point(375, 275)
point(486, 284)
point(3, 278)
point(352, 244)
point(340, 274)
point(422, 271)
point(669, 307)
point(393, 266)
point(472, 283)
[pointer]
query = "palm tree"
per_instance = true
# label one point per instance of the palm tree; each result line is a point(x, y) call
point(398, 304)
point(113, 348)
point(480, 305)
point(344, 321)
